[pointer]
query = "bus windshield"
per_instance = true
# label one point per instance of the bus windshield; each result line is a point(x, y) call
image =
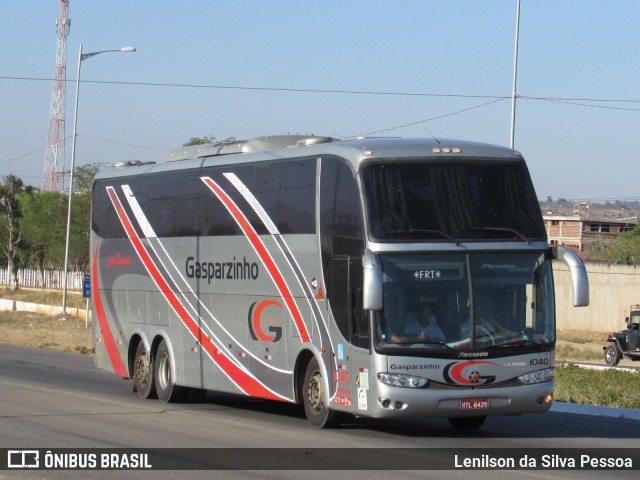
point(457, 302)
point(461, 200)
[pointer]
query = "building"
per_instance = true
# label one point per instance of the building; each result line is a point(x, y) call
point(579, 231)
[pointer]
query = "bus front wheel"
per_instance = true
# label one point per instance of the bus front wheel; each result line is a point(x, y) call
point(313, 395)
point(143, 380)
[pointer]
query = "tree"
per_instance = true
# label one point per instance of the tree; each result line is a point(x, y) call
point(625, 249)
point(10, 187)
point(43, 226)
point(83, 177)
point(44, 223)
point(80, 232)
point(200, 140)
point(207, 139)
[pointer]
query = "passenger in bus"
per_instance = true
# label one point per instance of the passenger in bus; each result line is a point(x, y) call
point(423, 329)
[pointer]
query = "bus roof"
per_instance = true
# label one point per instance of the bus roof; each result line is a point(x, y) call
point(293, 146)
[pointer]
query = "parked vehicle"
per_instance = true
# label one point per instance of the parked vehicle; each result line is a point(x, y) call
point(625, 342)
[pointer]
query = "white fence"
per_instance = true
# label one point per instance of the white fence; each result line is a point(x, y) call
point(52, 279)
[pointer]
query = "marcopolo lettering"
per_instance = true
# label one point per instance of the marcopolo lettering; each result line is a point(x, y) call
point(233, 270)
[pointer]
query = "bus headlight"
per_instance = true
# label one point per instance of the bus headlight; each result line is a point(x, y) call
point(537, 377)
point(400, 380)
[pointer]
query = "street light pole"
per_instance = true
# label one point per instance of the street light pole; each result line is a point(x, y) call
point(81, 57)
point(515, 77)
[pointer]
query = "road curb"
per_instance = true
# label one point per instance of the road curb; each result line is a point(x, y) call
point(48, 310)
point(611, 412)
point(596, 366)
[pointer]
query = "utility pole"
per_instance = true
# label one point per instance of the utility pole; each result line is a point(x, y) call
point(52, 178)
point(514, 94)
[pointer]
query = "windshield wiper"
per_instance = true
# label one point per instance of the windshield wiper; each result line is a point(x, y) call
point(422, 342)
point(438, 342)
point(518, 342)
point(501, 230)
point(422, 230)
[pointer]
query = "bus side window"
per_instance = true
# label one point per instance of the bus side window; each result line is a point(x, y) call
point(342, 244)
point(359, 321)
point(345, 292)
point(338, 291)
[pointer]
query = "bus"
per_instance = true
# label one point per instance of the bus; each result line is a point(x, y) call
point(379, 277)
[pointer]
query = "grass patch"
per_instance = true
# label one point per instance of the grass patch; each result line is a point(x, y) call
point(569, 351)
point(44, 297)
point(577, 345)
point(39, 331)
point(578, 340)
point(611, 388)
point(7, 321)
point(582, 336)
point(83, 350)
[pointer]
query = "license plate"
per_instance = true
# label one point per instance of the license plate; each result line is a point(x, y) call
point(474, 404)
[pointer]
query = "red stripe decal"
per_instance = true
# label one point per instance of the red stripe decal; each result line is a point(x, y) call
point(264, 255)
point(109, 342)
point(245, 382)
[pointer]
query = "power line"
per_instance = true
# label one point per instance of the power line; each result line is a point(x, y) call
point(13, 159)
point(105, 140)
point(22, 156)
point(493, 99)
point(604, 199)
point(562, 99)
point(435, 118)
point(267, 89)
point(336, 91)
point(575, 103)
point(365, 134)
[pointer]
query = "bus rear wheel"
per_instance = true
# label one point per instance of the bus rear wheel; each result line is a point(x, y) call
point(467, 423)
point(143, 379)
point(313, 396)
point(166, 388)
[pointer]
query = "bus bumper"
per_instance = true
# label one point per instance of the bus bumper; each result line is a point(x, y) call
point(397, 402)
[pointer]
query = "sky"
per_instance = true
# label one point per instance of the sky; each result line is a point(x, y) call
point(408, 68)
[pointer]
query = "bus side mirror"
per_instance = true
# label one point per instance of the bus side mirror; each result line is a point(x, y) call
point(372, 284)
point(578, 271)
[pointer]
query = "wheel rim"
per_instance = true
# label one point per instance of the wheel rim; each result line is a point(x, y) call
point(163, 371)
point(142, 370)
point(610, 354)
point(314, 393)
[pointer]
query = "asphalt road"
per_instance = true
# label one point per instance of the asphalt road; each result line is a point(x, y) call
point(57, 400)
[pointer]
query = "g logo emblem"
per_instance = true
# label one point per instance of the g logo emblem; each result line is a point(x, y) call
point(469, 373)
point(259, 320)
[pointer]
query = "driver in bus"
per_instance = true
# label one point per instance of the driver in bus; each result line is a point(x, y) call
point(423, 329)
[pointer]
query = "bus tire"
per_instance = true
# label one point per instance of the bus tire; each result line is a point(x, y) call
point(467, 423)
point(143, 380)
point(166, 387)
point(313, 397)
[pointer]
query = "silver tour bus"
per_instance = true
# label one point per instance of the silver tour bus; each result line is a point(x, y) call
point(388, 278)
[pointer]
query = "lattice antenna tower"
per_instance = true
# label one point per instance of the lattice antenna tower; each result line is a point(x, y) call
point(53, 179)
